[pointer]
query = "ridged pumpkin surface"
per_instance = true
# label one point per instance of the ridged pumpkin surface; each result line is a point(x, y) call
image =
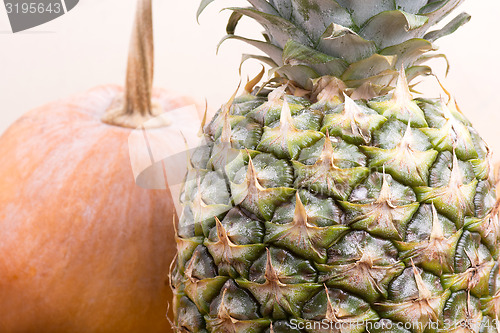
point(82, 247)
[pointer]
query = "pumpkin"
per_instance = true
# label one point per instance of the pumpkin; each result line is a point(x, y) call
point(82, 247)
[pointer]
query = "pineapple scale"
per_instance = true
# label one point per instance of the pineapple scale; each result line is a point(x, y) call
point(338, 216)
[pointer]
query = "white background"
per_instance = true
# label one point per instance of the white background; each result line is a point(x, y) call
point(88, 47)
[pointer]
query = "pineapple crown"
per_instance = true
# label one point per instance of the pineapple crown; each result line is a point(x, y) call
point(357, 41)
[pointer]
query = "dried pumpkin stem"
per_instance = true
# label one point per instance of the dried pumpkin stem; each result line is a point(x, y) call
point(136, 108)
point(139, 81)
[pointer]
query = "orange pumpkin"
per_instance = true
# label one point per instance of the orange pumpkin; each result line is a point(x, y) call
point(82, 247)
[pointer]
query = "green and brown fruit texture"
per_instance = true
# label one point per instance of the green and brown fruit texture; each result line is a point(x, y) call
point(337, 196)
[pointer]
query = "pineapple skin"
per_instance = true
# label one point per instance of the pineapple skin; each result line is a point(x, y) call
point(358, 209)
point(341, 215)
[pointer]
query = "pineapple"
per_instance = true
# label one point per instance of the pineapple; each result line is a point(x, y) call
point(331, 199)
